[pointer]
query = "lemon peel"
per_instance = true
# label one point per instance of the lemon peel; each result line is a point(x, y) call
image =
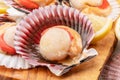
point(103, 31)
point(101, 25)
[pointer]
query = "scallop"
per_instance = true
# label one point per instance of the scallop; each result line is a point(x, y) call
point(9, 36)
point(49, 42)
point(14, 4)
point(68, 43)
point(113, 11)
point(56, 37)
point(7, 60)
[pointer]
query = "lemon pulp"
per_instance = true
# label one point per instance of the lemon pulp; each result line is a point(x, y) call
point(118, 1)
point(101, 26)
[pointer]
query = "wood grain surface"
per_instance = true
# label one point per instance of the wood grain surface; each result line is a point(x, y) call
point(87, 71)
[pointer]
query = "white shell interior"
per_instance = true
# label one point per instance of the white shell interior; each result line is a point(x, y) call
point(15, 62)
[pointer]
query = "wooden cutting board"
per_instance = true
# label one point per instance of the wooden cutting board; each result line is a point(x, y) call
point(87, 71)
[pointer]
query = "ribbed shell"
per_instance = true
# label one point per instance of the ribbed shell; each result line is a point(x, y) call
point(29, 30)
point(111, 70)
point(115, 11)
point(15, 62)
point(12, 3)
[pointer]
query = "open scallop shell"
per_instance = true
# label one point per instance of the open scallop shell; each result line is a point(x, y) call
point(115, 9)
point(11, 61)
point(14, 61)
point(15, 11)
point(28, 34)
point(111, 70)
point(12, 3)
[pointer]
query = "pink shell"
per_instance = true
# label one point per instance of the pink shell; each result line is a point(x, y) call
point(29, 30)
point(12, 3)
point(111, 70)
point(14, 61)
point(16, 6)
point(115, 9)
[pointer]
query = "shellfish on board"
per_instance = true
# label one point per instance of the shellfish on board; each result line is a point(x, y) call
point(22, 5)
point(49, 32)
point(8, 56)
point(20, 8)
point(106, 8)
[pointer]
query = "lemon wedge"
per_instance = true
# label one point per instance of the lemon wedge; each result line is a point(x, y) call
point(3, 7)
point(118, 1)
point(117, 28)
point(101, 26)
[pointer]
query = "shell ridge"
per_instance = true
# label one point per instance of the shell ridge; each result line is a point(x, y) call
point(60, 14)
point(71, 12)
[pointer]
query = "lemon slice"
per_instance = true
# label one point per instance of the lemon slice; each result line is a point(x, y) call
point(117, 28)
point(3, 7)
point(101, 26)
point(118, 1)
